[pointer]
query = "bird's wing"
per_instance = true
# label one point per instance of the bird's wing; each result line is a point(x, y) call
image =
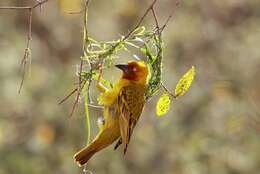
point(130, 102)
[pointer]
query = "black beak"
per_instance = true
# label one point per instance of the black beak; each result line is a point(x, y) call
point(123, 67)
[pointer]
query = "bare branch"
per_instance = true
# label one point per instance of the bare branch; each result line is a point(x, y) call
point(177, 3)
point(70, 94)
point(79, 88)
point(156, 20)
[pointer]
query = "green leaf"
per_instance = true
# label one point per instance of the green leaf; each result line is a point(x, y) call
point(154, 62)
point(147, 51)
point(163, 104)
point(185, 82)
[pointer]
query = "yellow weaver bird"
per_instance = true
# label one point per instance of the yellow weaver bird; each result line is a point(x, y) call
point(123, 106)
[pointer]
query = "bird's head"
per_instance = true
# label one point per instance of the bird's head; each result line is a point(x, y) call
point(134, 70)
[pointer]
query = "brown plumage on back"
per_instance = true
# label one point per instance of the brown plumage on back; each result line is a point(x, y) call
point(130, 102)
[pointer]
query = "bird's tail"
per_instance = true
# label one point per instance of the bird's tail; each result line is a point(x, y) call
point(85, 154)
point(104, 139)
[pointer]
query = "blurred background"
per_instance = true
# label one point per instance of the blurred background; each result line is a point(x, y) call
point(212, 129)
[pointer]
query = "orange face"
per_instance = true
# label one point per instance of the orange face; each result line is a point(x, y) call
point(134, 70)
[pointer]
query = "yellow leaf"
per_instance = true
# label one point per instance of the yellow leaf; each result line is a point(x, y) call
point(163, 104)
point(185, 82)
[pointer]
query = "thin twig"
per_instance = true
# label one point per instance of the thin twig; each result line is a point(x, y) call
point(168, 91)
point(70, 94)
point(27, 50)
point(156, 20)
point(85, 23)
point(170, 16)
point(78, 89)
